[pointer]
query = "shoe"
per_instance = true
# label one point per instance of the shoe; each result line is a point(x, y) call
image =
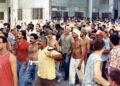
point(59, 80)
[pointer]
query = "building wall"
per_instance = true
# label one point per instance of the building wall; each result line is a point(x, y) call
point(118, 8)
point(72, 7)
point(4, 8)
point(28, 5)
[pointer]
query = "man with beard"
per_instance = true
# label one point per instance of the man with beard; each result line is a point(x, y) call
point(52, 42)
point(46, 64)
point(77, 58)
point(21, 48)
point(30, 66)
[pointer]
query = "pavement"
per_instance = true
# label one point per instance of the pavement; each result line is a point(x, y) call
point(62, 83)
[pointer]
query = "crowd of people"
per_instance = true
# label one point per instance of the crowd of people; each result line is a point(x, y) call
point(87, 52)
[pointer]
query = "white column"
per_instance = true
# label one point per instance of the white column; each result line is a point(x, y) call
point(118, 8)
point(14, 12)
point(90, 9)
point(111, 7)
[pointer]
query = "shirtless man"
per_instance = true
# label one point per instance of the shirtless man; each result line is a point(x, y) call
point(31, 67)
point(77, 59)
point(52, 42)
point(87, 43)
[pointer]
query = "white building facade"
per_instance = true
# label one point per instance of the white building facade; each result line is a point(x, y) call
point(34, 10)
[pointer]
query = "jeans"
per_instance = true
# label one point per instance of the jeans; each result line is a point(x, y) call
point(67, 63)
point(30, 75)
point(74, 70)
point(20, 73)
point(58, 74)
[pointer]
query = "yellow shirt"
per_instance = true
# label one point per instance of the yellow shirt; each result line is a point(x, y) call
point(46, 65)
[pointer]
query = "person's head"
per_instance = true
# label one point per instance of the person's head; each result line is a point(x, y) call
point(42, 42)
point(18, 27)
point(3, 34)
point(114, 78)
point(111, 32)
point(103, 26)
point(33, 38)
point(83, 32)
point(31, 26)
point(6, 26)
point(67, 30)
point(50, 34)
point(22, 35)
point(105, 34)
point(3, 42)
point(114, 39)
point(76, 33)
point(93, 26)
point(37, 27)
point(99, 45)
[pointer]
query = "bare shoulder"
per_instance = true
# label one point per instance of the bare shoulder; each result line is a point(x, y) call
point(87, 39)
point(12, 57)
point(56, 41)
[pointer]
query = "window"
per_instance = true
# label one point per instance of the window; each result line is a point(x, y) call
point(65, 14)
point(19, 14)
point(105, 1)
point(78, 14)
point(106, 15)
point(2, 1)
point(37, 13)
point(56, 13)
point(95, 15)
point(1, 15)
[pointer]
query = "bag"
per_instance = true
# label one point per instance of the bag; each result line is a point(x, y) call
point(58, 60)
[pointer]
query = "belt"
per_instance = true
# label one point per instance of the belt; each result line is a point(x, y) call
point(33, 62)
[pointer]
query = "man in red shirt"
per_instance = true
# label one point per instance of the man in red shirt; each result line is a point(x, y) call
point(21, 48)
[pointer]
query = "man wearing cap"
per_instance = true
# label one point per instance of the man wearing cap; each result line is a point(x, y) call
point(77, 58)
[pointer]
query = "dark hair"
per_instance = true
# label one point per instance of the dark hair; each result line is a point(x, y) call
point(114, 39)
point(23, 34)
point(7, 24)
point(18, 27)
point(111, 30)
point(34, 35)
point(42, 33)
point(4, 39)
point(115, 76)
point(44, 39)
point(99, 44)
point(31, 26)
point(50, 32)
point(5, 34)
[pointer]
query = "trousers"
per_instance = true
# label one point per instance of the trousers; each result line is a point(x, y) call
point(74, 70)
